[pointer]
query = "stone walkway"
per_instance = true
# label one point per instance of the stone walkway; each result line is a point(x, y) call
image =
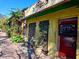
point(9, 50)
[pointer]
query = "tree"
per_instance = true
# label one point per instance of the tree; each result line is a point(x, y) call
point(16, 15)
point(12, 25)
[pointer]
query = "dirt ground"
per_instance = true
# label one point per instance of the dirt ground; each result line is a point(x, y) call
point(9, 50)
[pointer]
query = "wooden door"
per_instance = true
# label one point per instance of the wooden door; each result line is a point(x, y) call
point(68, 38)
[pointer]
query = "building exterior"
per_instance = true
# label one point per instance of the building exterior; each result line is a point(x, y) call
point(56, 29)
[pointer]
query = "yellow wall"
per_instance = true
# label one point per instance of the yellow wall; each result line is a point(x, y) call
point(53, 26)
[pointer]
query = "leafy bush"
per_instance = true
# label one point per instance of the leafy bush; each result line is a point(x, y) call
point(8, 31)
point(17, 38)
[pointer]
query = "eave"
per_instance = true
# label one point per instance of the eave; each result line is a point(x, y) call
point(54, 8)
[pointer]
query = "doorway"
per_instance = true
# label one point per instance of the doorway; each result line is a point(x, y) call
point(68, 37)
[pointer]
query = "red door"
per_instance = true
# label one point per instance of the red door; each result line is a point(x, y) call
point(68, 37)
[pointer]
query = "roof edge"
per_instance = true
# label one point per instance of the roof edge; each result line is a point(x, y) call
point(56, 7)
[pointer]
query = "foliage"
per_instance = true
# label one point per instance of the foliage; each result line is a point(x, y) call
point(17, 14)
point(12, 26)
point(37, 40)
point(7, 27)
point(2, 24)
point(17, 38)
point(8, 30)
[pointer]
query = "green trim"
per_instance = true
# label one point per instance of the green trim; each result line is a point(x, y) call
point(54, 9)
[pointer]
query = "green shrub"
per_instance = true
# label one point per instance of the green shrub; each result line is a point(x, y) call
point(8, 31)
point(17, 38)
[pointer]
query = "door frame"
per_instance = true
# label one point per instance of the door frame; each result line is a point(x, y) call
point(58, 40)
